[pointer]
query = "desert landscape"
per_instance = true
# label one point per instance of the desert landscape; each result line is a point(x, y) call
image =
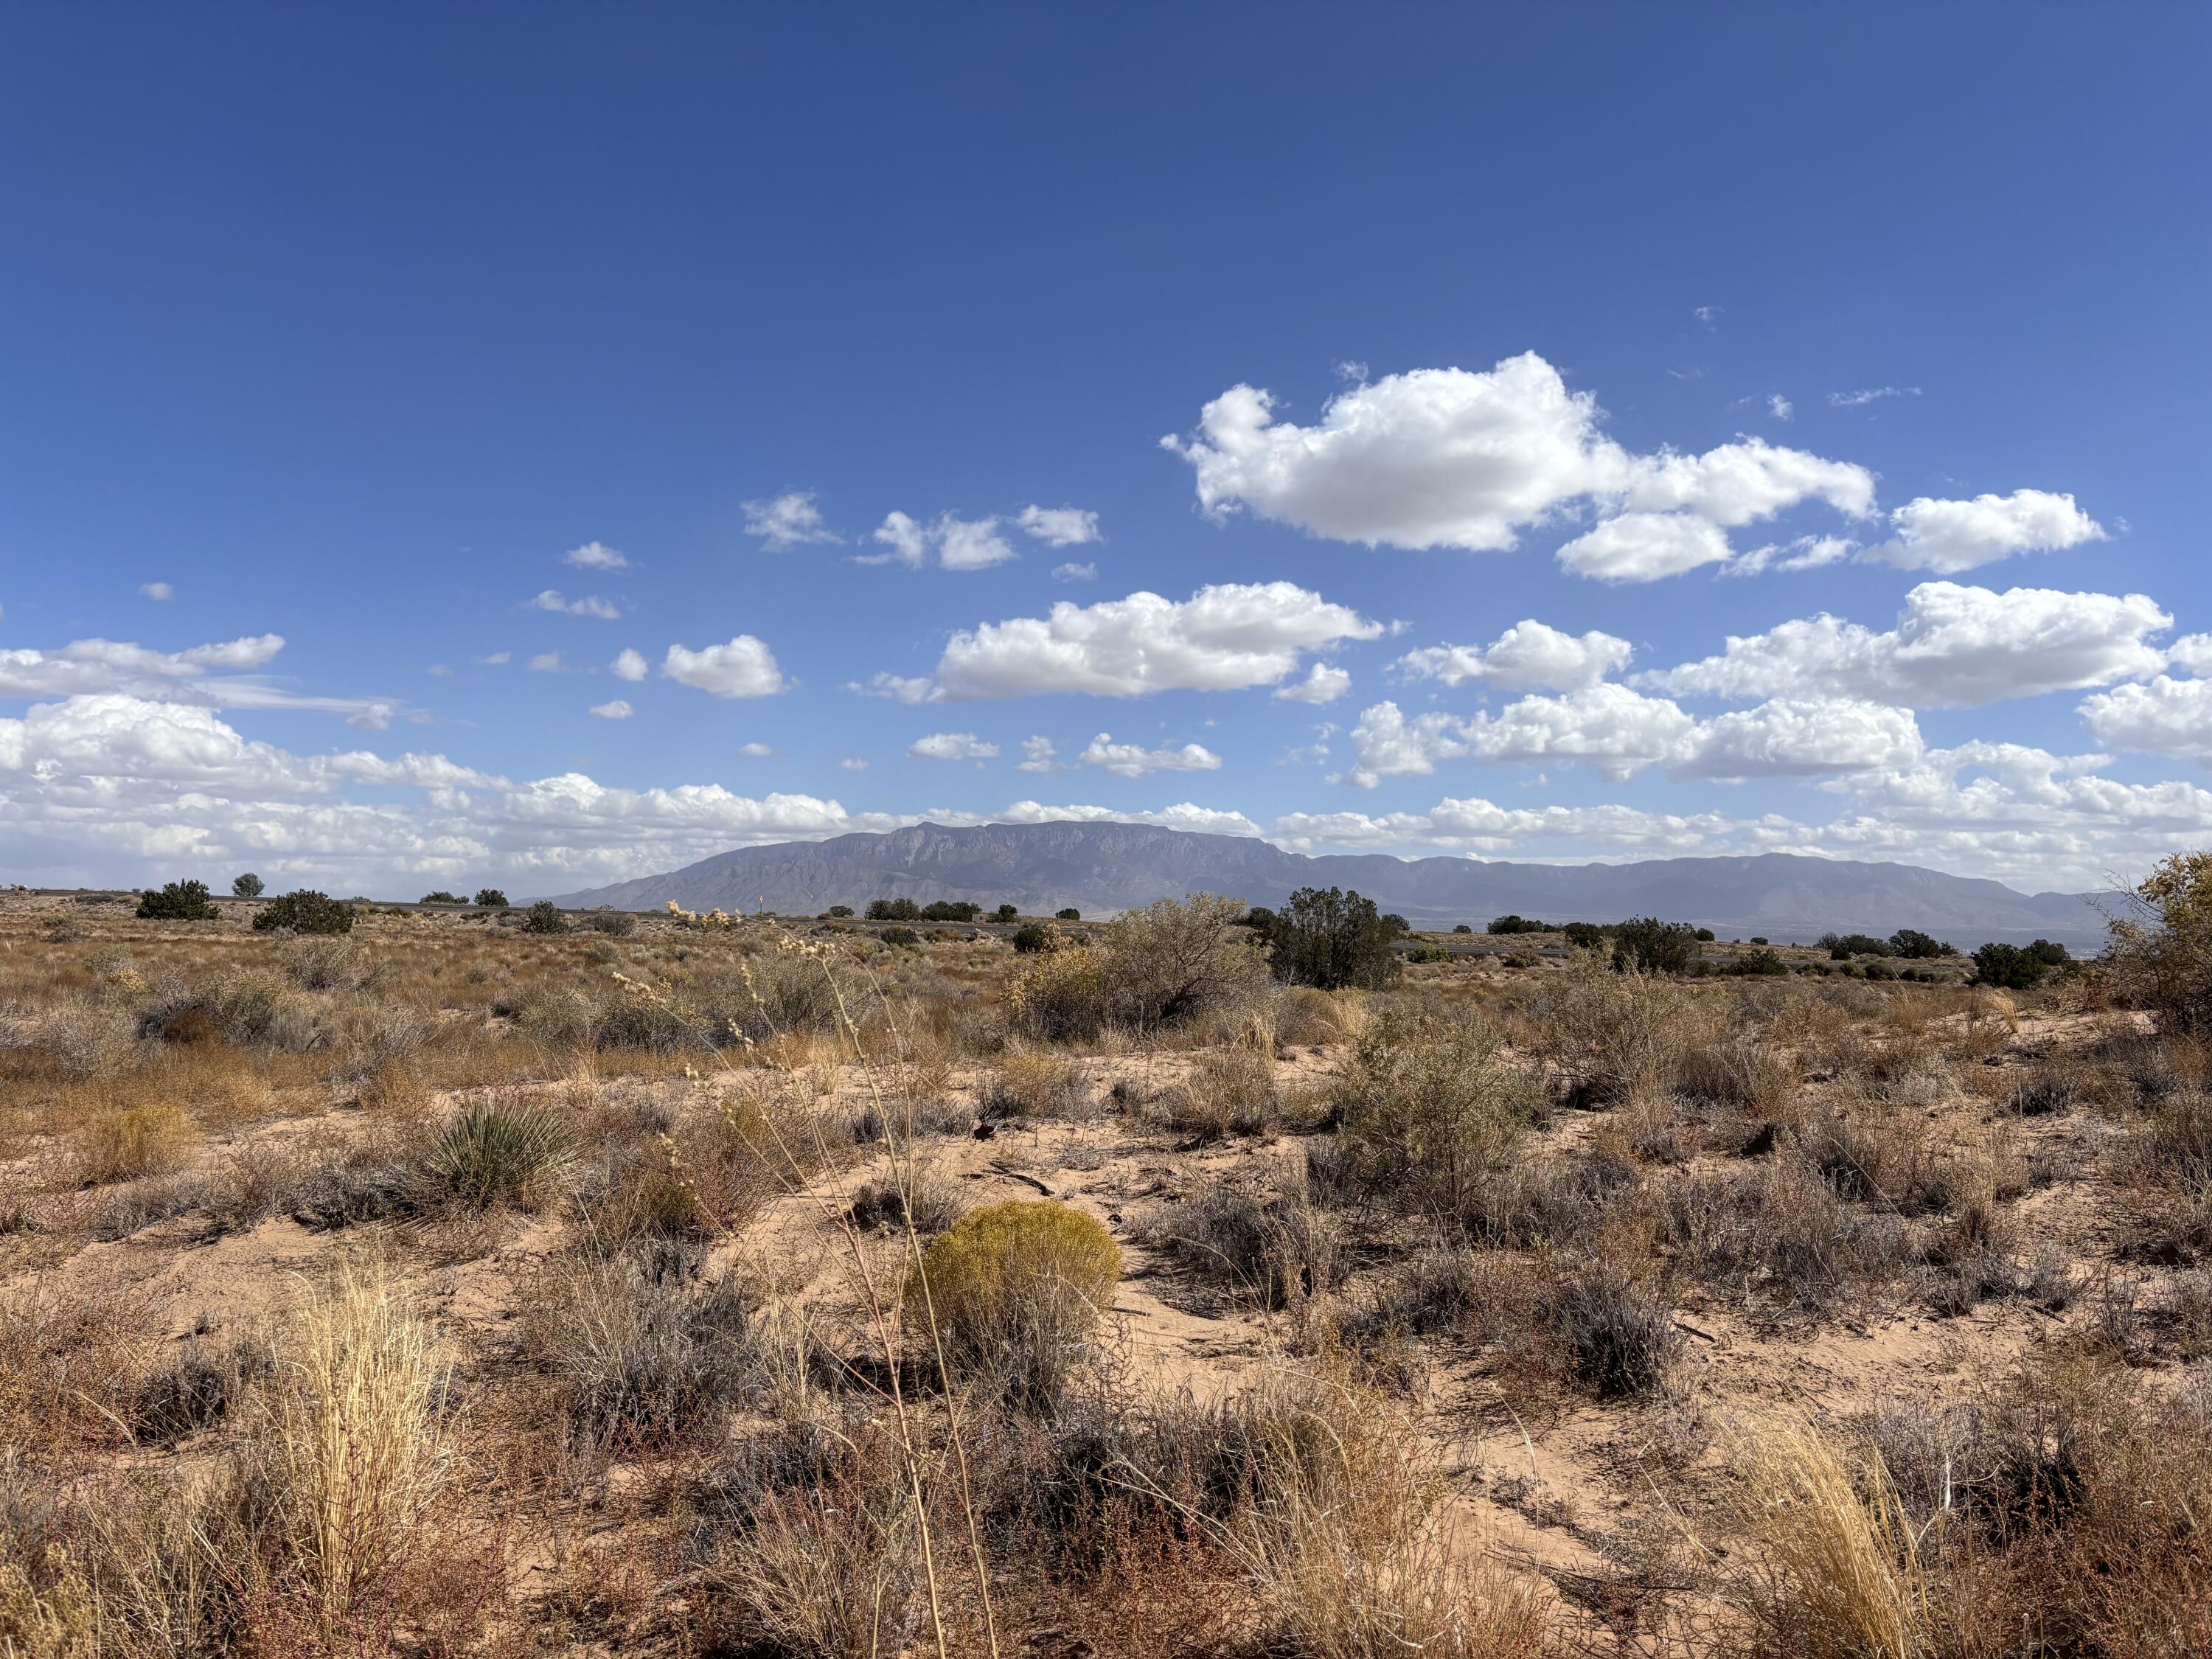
point(473, 1279)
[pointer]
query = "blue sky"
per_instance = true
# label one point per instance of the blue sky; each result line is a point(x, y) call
point(436, 342)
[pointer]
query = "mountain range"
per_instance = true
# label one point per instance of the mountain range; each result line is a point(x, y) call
point(1101, 868)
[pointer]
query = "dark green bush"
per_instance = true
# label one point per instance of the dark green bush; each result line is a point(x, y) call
point(1912, 943)
point(441, 897)
point(1584, 935)
point(491, 898)
point(1511, 925)
point(1704, 936)
point(1652, 946)
point(901, 936)
point(1462, 928)
point(1842, 947)
point(2011, 967)
point(1070, 913)
point(839, 910)
point(246, 886)
point(1332, 939)
point(890, 910)
point(1007, 913)
point(950, 910)
point(545, 917)
point(1035, 937)
point(1758, 964)
point(178, 901)
point(305, 911)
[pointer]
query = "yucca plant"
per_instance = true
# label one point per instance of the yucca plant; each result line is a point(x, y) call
point(495, 1153)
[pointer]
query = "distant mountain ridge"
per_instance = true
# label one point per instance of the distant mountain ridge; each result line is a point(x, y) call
point(1105, 868)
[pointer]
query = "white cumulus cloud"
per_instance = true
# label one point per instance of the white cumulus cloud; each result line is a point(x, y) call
point(1223, 637)
point(959, 544)
point(1134, 760)
point(1453, 457)
point(2166, 717)
point(953, 746)
point(595, 556)
point(1954, 647)
point(585, 605)
point(1060, 526)
point(1324, 682)
point(615, 710)
point(791, 520)
point(1949, 536)
point(1529, 656)
point(629, 666)
point(745, 667)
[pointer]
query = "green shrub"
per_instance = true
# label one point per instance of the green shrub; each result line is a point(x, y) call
point(246, 887)
point(2014, 968)
point(1510, 924)
point(1429, 953)
point(2161, 951)
point(1583, 935)
point(178, 901)
point(1652, 946)
point(1007, 913)
point(1842, 947)
point(1911, 942)
point(839, 910)
point(304, 912)
point(1017, 1288)
point(1034, 937)
point(491, 898)
point(1431, 1110)
point(901, 936)
point(545, 917)
point(494, 1153)
point(893, 909)
point(441, 897)
point(1462, 928)
point(1758, 964)
point(1070, 913)
point(1331, 938)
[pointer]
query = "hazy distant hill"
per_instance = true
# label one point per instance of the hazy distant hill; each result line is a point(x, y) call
point(1103, 867)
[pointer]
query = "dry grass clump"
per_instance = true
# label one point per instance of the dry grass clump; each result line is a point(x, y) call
point(2161, 1183)
point(125, 1143)
point(1776, 1234)
point(1837, 1571)
point(1034, 1086)
point(1430, 1111)
point(1229, 1092)
point(1171, 966)
point(1333, 1513)
point(1268, 1241)
point(1611, 1038)
point(1620, 1339)
point(639, 1353)
point(908, 1194)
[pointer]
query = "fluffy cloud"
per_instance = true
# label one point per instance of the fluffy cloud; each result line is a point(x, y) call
point(1478, 826)
point(953, 746)
point(1060, 526)
point(909, 689)
point(617, 710)
point(1184, 815)
point(2167, 717)
point(1787, 737)
point(1222, 638)
point(585, 605)
point(1134, 760)
point(1075, 573)
point(1041, 755)
point(1643, 547)
point(791, 520)
point(1451, 458)
point(629, 666)
point(755, 750)
point(742, 668)
point(595, 556)
point(1618, 733)
point(2193, 653)
point(1954, 647)
point(960, 544)
point(1949, 536)
point(90, 666)
point(547, 662)
point(1529, 656)
point(1324, 682)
